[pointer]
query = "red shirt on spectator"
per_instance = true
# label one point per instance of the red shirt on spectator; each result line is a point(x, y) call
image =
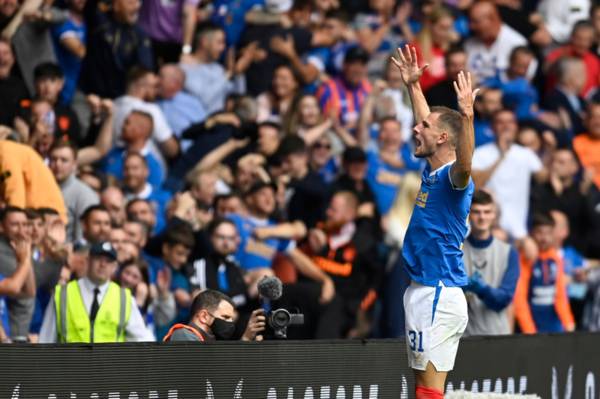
point(592, 67)
point(436, 72)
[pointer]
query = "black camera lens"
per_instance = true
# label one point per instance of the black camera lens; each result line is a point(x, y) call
point(280, 318)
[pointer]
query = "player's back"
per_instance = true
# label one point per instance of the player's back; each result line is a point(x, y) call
point(433, 246)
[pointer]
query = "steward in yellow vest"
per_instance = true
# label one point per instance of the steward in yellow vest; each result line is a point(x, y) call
point(93, 309)
point(73, 322)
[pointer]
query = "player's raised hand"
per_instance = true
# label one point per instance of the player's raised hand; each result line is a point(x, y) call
point(465, 93)
point(408, 64)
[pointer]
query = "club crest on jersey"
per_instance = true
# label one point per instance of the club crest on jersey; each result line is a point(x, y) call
point(422, 199)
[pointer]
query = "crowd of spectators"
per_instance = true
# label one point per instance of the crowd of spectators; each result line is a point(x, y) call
point(213, 143)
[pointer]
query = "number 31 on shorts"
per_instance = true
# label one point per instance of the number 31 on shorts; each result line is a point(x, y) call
point(415, 340)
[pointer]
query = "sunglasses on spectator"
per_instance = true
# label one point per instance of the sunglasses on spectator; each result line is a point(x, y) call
point(318, 146)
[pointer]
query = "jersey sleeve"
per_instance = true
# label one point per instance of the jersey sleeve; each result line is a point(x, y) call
point(561, 303)
point(522, 309)
point(286, 246)
point(162, 132)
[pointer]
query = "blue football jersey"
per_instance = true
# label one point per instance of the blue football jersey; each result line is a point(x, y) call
point(433, 245)
point(253, 253)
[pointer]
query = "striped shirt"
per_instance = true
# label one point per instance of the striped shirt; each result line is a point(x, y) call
point(346, 101)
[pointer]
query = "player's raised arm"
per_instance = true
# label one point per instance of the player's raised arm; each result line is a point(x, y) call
point(465, 143)
point(411, 73)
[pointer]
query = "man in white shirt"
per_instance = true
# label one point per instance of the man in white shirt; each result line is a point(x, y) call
point(94, 289)
point(489, 49)
point(142, 86)
point(561, 15)
point(505, 169)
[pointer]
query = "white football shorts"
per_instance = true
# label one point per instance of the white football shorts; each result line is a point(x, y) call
point(436, 318)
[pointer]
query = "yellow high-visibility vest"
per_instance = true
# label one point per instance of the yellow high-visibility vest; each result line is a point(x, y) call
point(73, 322)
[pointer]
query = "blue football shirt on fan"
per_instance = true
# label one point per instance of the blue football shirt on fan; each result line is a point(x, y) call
point(253, 253)
point(384, 179)
point(433, 245)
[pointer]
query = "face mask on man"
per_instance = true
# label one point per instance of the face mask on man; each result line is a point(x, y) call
point(222, 329)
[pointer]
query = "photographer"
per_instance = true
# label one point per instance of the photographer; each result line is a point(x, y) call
point(213, 319)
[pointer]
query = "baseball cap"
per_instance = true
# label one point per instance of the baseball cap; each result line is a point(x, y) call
point(354, 154)
point(103, 249)
point(356, 54)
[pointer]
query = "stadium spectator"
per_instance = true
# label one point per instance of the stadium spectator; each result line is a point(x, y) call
point(490, 47)
point(574, 264)
point(276, 103)
point(142, 87)
point(72, 314)
point(15, 255)
point(171, 27)
point(178, 243)
point(493, 269)
point(70, 38)
point(11, 85)
point(587, 145)
point(506, 168)
point(353, 84)
point(141, 210)
point(388, 163)
point(344, 247)
point(322, 159)
point(579, 46)
point(435, 38)
point(354, 179)
point(258, 249)
point(395, 90)
point(562, 192)
point(306, 120)
point(181, 109)
point(309, 192)
point(13, 284)
point(115, 44)
point(25, 26)
point(561, 16)
point(286, 20)
point(95, 223)
point(136, 186)
point(125, 249)
point(218, 269)
point(205, 76)
point(570, 73)
point(113, 200)
point(138, 234)
point(518, 93)
point(541, 302)
point(442, 93)
point(49, 81)
point(488, 103)
point(136, 135)
point(77, 195)
point(381, 30)
point(26, 182)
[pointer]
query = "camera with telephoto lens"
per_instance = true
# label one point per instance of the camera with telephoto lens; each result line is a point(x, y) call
point(280, 319)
